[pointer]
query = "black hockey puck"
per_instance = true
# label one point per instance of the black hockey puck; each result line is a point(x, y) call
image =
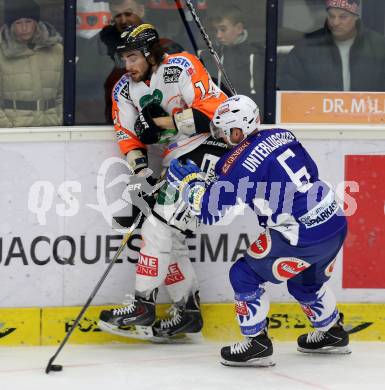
point(56, 367)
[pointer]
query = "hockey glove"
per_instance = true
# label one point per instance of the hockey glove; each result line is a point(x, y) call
point(145, 128)
point(140, 195)
point(189, 181)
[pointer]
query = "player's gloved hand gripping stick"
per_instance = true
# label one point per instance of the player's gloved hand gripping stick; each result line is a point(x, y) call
point(189, 180)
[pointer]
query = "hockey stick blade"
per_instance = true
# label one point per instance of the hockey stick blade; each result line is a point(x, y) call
point(53, 367)
point(359, 328)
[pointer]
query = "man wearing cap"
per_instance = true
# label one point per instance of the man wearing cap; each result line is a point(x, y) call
point(342, 56)
point(31, 68)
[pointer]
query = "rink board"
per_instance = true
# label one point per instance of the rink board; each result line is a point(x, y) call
point(48, 326)
point(56, 239)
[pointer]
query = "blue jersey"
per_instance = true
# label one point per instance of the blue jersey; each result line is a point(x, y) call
point(272, 173)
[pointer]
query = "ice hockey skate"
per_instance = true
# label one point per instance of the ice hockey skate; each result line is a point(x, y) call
point(184, 323)
point(252, 352)
point(136, 320)
point(133, 320)
point(333, 341)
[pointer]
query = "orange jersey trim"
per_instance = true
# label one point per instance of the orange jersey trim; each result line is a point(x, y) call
point(182, 144)
point(204, 100)
point(132, 142)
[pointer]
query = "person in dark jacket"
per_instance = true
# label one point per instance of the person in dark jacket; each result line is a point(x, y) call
point(124, 13)
point(342, 56)
point(92, 63)
point(242, 60)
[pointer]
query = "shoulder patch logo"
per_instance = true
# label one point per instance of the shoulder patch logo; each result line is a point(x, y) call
point(181, 61)
point(171, 74)
point(120, 86)
point(125, 92)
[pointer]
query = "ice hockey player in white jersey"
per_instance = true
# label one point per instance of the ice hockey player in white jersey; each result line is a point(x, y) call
point(162, 101)
point(304, 229)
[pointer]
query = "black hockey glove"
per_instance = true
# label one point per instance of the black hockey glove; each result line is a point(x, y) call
point(145, 128)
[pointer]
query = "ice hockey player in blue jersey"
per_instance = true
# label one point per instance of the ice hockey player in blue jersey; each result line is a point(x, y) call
point(304, 229)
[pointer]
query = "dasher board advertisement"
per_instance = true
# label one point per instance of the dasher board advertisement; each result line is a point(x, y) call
point(56, 237)
point(331, 107)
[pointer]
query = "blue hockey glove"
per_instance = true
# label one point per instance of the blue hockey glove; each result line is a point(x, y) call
point(188, 179)
point(179, 174)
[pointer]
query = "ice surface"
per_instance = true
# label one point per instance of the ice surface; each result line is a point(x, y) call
point(185, 367)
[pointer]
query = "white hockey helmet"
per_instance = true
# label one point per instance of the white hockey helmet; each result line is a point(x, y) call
point(240, 112)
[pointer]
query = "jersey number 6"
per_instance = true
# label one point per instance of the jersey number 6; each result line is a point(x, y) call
point(300, 178)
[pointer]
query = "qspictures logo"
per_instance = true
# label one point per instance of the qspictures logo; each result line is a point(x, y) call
point(117, 193)
point(42, 194)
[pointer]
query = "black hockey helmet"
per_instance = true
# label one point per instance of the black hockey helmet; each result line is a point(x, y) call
point(140, 37)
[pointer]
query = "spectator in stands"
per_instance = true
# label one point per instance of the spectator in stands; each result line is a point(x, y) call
point(242, 60)
point(342, 56)
point(125, 13)
point(92, 63)
point(31, 68)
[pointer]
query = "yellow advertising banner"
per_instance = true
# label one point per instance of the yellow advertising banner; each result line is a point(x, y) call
point(56, 321)
point(364, 322)
point(331, 107)
point(20, 326)
point(49, 325)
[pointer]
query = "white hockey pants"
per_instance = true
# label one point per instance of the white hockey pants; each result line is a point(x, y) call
point(164, 259)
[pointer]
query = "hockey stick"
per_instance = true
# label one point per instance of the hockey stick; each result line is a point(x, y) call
point(207, 40)
point(190, 34)
point(58, 367)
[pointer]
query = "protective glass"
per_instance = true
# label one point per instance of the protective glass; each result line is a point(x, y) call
point(119, 62)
